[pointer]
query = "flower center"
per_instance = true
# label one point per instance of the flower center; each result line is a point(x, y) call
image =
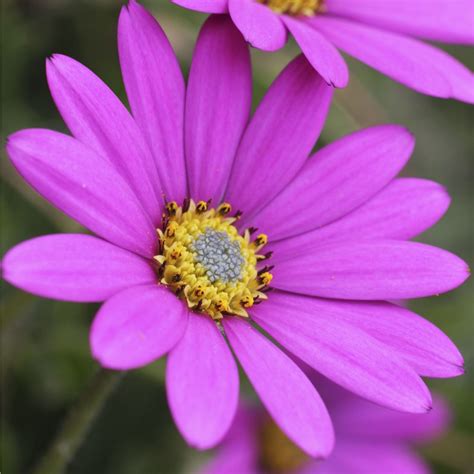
point(207, 263)
point(278, 454)
point(294, 7)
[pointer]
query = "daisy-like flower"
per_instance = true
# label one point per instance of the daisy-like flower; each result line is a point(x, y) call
point(381, 33)
point(175, 194)
point(370, 439)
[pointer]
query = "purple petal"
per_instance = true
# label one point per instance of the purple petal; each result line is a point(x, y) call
point(238, 452)
point(427, 349)
point(218, 103)
point(420, 343)
point(358, 457)
point(280, 136)
point(74, 267)
point(202, 383)
point(403, 209)
point(359, 419)
point(459, 76)
point(371, 270)
point(259, 25)
point(285, 391)
point(83, 185)
point(206, 6)
point(155, 89)
point(336, 180)
point(342, 352)
point(411, 62)
point(137, 326)
point(438, 20)
point(98, 119)
point(322, 55)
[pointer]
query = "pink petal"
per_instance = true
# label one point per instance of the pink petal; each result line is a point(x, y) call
point(74, 267)
point(359, 419)
point(280, 136)
point(238, 452)
point(371, 270)
point(202, 382)
point(460, 77)
point(342, 352)
point(206, 6)
point(440, 20)
point(259, 25)
point(358, 457)
point(403, 209)
point(420, 343)
point(322, 55)
point(218, 103)
point(155, 89)
point(336, 180)
point(83, 185)
point(285, 391)
point(97, 118)
point(411, 62)
point(137, 326)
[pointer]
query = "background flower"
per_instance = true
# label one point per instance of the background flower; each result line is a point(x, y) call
point(370, 439)
point(379, 33)
point(53, 363)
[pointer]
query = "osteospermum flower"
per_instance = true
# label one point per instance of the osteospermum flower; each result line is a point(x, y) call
point(175, 195)
point(370, 439)
point(380, 33)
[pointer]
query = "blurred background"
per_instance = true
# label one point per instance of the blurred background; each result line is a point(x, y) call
point(45, 351)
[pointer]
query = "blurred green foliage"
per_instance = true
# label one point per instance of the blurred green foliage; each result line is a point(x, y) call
point(44, 344)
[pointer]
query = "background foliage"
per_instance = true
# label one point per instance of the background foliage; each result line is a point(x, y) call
point(44, 344)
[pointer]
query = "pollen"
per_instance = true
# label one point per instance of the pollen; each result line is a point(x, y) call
point(294, 7)
point(207, 263)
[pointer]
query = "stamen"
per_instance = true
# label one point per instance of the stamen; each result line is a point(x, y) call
point(224, 209)
point(201, 206)
point(265, 278)
point(261, 240)
point(172, 207)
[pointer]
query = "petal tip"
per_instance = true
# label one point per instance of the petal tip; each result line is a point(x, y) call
point(461, 369)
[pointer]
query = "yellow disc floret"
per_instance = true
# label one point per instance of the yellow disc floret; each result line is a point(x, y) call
point(207, 263)
point(294, 7)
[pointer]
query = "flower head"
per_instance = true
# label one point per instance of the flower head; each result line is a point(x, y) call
point(382, 34)
point(370, 439)
point(176, 193)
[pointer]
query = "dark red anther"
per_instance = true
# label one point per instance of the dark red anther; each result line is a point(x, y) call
point(186, 204)
point(266, 268)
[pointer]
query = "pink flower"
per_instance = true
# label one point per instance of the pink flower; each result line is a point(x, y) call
point(337, 224)
point(370, 439)
point(380, 33)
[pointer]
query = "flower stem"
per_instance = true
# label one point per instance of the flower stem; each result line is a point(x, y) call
point(77, 423)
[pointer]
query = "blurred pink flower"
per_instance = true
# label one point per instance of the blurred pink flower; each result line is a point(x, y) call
point(337, 224)
point(369, 439)
point(380, 33)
